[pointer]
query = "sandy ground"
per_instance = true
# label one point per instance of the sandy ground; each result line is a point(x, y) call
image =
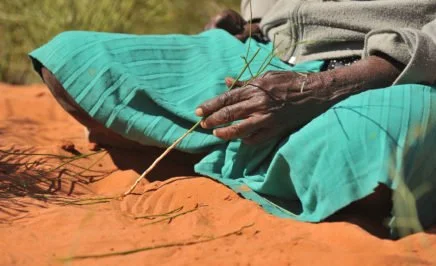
point(47, 217)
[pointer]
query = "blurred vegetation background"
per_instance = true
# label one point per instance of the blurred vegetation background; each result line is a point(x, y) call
point(27, 24)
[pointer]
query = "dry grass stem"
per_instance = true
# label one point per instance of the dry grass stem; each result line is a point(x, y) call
point(170, 148)
point(171, 217)
point(153, 165)
point(73, 159)
point(167, 245)
point(154, 216)
point(35, 154)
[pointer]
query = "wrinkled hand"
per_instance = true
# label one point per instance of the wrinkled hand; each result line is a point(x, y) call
point(281, 101)
point(232, 22)
point(268, 106)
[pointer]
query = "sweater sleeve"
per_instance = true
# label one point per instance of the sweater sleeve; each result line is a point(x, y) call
point(415, 48)
point(259, 8)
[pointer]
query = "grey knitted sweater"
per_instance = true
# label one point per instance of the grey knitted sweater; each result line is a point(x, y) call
point(319, 29)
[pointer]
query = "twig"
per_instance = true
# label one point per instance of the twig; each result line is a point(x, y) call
point(152, 216)
point(91, 170)
point(153, 165)
point(37, 154)
point(244, 69)
point(84, 203)
point(171, 217)
point(249, 33)
point(64, 201)
point(75, 158)
point(249, 69)
point(170, 148)
point(167, 245)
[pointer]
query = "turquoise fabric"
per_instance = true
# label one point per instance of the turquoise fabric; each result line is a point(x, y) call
point(146, 88)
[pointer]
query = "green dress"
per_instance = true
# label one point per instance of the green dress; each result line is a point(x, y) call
point(146, 88)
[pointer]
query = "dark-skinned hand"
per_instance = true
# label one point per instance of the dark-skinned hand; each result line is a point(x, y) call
point(232, 22)
point(279, 102)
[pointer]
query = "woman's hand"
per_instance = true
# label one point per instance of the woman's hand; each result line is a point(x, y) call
point(281, 101)
point(270, 105)
point(232, 22)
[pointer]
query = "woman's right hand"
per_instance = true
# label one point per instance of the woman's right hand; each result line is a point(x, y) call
point(232, 22)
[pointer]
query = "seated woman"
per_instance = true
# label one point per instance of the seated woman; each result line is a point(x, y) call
point(335, 100)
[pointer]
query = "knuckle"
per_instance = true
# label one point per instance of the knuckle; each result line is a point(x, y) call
point(225, 115)
point(224, 98)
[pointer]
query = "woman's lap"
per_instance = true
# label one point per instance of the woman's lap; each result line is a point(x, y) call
point(377, 137)
point(340, 157)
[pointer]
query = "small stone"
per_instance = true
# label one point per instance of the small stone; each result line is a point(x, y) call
point(40, 94)
point(228, 198)
point(68, 146)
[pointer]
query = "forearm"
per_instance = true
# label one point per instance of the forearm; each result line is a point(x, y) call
point(371, 73)
point(415, 48)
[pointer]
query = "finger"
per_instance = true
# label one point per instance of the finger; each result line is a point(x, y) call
point(225, 99)
point(231, 83)
point(231, 113)
point(240, 130)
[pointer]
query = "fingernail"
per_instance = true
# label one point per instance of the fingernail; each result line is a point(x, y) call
point(214, 132)
point(229, 81)
point(203, 124)
point(199, 112)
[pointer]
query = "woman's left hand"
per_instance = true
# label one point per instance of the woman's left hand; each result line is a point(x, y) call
point(232, 22)
point(281, 101)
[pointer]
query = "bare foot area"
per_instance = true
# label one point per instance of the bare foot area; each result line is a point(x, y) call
point(64, 208)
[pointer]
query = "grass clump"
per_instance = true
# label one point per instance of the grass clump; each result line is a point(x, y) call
point(27, 24)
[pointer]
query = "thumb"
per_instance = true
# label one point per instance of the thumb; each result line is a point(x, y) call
point(231, 83)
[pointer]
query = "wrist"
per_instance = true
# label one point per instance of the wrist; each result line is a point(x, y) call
point(371, 73)
point(326, 87)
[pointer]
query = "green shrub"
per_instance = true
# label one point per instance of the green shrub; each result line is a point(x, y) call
point(27, 24)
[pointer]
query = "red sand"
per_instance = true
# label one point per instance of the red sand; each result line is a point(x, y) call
point(40, 232)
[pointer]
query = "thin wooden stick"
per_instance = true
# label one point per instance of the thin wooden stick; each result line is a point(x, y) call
point(153, 165)
point(249, 69)
point(171, 217)
point(250, 33)
point(170, 148)
point(83, 156)
point(84, 203)
point(167, 245)
point(37, 154)
point(244, 69)
point(153, 216)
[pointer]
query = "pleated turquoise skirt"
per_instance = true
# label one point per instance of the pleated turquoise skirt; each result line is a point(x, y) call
point(146, 88)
